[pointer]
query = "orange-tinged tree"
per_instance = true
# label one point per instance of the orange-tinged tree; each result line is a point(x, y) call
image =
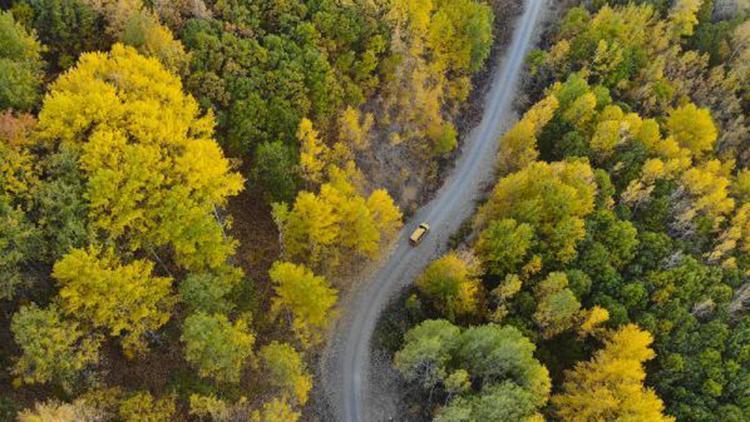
point(610, 385)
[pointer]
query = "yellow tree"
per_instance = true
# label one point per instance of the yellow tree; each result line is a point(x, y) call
point(154, 175)
point(452, 285)
point(692, 128)
point(306, 297)
point(337, 222)
point(312, 152)
point(309, 230)
point(610, 385)
point(286, 371)
point(518, 146)
point(124, 299)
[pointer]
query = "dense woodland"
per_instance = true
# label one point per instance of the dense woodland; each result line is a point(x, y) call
point(607, 273)
point(130, 286)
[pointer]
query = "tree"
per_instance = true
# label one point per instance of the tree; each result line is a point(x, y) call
point(610, 386)
point(504, 245)
point(557, 306)
point(21, 65)
point(275, 410)
point(354, 129)
point(306, 297)
point(452, 285)
point(286, 371)
point(78, 411)
point(692, 128)
point(67, 28)
point(218, 348)
point(492, 354)
point(54, 350)
point(499, 402)
point(211, 292)
point(125, 299)
point(18, 242)
point(551, 198)
point(153, 175)
point(143, 31)
point(275, 169)
point(312, 152)
point(518, 146)
point(338, 222)
point(683, 17)
point(143, 407)
point(427, 350)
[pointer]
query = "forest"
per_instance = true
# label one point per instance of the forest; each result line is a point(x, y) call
point(605, 276)
point(184, 183)
point(188, 189)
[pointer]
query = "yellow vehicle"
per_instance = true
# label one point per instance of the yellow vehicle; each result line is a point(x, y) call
point(418, 234)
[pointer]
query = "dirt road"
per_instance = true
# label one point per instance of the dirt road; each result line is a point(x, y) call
point(345, 364)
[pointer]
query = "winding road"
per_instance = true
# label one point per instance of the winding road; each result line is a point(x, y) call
point(346, 361)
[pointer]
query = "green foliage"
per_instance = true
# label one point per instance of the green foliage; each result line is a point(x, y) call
point(552, 199)
point(427, 350)
point(21, 66)
point(503, 246)
point(211, 292)
point(499, 359)
point(67, 28)
point(54, 349)
point(275, 170)
point(216, 347)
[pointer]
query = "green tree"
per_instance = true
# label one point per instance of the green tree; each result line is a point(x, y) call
point(427, 350)
point(68, 28)
point(218, 348)
point(493, 353)
point(504, 402)
point(21, 65)
point(211, 292)
point(557, 306)
point(551, 198)
point(275, 170)
point(54, 350)
point(504, 245)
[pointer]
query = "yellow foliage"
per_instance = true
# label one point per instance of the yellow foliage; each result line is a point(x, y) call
point(610, 385)
point(692, 128)
point(306, 296)
point(708, 186)
point(312, 152)
point(592, 319)
point(121, 298)
point(154, 175)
